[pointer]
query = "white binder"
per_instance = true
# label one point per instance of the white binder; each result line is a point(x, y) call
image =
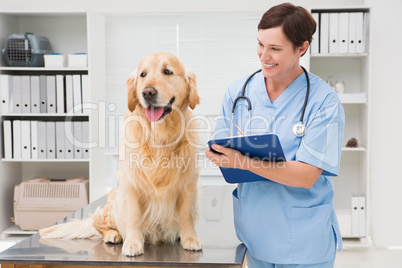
point(35, 94)
point(7, 139)
point(355, 217)
point(324, 33)
point(359, 32)
point(333, 33)
point(315, 45)
point(51, 140)
point(352, 32)
point(17, 139)
point(362, 216)
point(26, 94)
point(343, 32)
point(68, 140)
point(77, 93)
point(43, 94)
point(42, 152)
point(60, 107)
point(51, 93)
point(60, 140)
point(6, 84)
point(17, 94)
point(25, 139)
point(69, 94)
point(34, 139)
point(86, 93)
point(77, 130)
point(85, 140)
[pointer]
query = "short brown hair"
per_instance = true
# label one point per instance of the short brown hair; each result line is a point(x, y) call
point(297, 23)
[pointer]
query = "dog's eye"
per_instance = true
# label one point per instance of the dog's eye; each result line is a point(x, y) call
point(167, 72)
point(143, 74)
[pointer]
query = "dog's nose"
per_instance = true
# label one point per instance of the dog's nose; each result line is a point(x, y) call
point(149, 92)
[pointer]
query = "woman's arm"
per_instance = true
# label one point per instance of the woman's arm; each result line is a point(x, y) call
point(290, 173)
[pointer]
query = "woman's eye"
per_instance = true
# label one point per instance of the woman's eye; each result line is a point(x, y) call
point(143, 74)
point(167, 72)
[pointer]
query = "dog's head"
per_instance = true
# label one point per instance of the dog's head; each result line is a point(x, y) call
point(160, 82)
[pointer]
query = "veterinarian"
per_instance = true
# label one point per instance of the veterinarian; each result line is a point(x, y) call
point(289, 220)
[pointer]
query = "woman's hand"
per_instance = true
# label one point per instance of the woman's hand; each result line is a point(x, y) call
point(227, 158)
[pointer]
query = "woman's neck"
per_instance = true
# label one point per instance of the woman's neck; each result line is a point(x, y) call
point(275, 86)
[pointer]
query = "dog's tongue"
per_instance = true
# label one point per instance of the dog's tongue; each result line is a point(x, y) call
point(154, 113)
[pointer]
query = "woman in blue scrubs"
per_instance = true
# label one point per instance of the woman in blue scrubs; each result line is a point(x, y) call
point(289, 220)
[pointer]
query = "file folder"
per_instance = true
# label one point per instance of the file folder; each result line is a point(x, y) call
point(77, 130)
point(60, 140)
point(17, 94)
point(34, 139)
point(264, 147)
point(6, 84)
point(51, 140)
point(86, 93)
point(352, 32)
point(355, 217)
point(77, 93)
point(359, 32)
point(26, 94)
point(43, 94)
point(315, 45)
point(343, 32)
point(51, 94)
point(334, 33)
point(7, 139)
point(85, 140)
point(42, 153)
point(25, 139)
point(68, 140)
point(60, 94)
point(35, 94)
point(17, 139)
point(69, 94)
point(362, 215)
point(324, 33)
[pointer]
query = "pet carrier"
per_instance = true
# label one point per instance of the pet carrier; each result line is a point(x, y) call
point(26, 50)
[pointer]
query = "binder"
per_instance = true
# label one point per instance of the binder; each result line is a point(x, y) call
point(68, 140)
point(34, 139)
point(343, 32)
point(359, 32)
point(60, 95)
point(17, 139)
point(355, 217)
point(60, 140)
point(265, 147)
point(51, 140)
point(69, 94)
point(352, 32)
point(43, 94)
point(42, 153)
point(51, 93)
point(7, 139)
point(35, 94)
point(85, 140)
point(86, 93)
point(77, 93)
point(26, 94)
point(314, 47)
point(17, 94)
point(324, 33)
point(77, 130)
point(333, 33)
point(6, 85)
point(25, 139)
point(362, 215)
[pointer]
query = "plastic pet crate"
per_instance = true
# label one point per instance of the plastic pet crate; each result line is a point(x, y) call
point(40, 202)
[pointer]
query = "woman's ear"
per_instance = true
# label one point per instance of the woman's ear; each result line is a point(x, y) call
point(132, 100)
point(193, 98)
point(303, 48)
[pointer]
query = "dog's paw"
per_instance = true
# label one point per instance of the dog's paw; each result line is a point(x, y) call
point(112, 237)
point(191, 243)
point(133, 248)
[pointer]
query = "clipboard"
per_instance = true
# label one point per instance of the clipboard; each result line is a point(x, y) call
point(264, 147)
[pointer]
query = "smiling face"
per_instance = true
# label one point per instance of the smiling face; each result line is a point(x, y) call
point(279, 57)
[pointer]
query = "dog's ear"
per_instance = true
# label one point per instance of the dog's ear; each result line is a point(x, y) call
point(132, 100)
point(193, 97)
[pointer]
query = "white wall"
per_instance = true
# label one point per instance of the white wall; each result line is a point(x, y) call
point(385, 86)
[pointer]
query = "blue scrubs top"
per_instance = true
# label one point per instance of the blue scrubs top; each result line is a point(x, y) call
point(277, 223)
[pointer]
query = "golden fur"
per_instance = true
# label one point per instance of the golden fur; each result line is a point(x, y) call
point(156, 198)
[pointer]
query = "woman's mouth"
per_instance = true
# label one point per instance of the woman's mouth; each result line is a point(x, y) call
point(269, 65)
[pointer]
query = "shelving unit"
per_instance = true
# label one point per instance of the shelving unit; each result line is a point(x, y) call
point(353, 179)
point(67, 33)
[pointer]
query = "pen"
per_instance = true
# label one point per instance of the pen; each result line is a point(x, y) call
point(238, 128)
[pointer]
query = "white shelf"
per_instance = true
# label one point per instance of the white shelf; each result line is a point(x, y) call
point(44, 115)
point(354, 149)
point(46, 160)
point(353, 98)
point(16, 230)
point(345, 55)
point(44, 69)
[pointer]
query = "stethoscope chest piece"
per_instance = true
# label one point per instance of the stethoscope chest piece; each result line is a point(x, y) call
point(299, 129)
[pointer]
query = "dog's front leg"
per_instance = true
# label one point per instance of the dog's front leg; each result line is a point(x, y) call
point(187, 214)
point(133, 244)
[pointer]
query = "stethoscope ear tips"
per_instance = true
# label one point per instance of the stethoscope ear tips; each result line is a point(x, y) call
point(299, 129)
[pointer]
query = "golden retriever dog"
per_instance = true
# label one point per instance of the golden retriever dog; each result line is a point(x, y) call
point(156, 197)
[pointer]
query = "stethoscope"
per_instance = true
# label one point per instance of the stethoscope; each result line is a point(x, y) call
point(299, 129)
